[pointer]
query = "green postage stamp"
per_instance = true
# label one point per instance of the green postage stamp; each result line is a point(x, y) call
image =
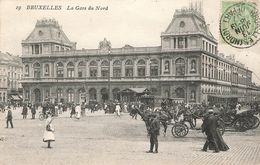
point(240, 24)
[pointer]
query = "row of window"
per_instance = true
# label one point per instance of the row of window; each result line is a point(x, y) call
point(209, 47)
point(117, 70)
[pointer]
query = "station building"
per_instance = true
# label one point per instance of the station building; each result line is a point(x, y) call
point(186, 66)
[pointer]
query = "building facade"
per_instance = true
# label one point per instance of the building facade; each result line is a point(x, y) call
point(10, 77)
point(186, 66)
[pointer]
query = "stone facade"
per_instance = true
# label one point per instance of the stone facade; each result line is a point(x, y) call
point(10, 77)
point(187, 66)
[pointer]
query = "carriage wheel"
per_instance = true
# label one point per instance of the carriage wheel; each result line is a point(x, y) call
point(255, 122)
point(41, 117)
point(241, 124)
point(180, 130)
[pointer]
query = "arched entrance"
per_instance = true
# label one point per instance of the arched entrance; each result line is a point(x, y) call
point(92, 94)
point(116, 95)
point(104, 94)
point(37, 95)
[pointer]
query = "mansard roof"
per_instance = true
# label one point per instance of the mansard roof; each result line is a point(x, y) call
point(10, 59)
point(47, 30)
point(188, 21)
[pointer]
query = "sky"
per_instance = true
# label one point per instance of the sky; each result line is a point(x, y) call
point(135, 22)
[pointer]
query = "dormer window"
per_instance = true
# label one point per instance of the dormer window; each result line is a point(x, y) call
point(40, 33)
point(182, 24)
point(58, 34)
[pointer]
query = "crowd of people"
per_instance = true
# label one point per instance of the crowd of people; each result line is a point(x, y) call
point(181, 111)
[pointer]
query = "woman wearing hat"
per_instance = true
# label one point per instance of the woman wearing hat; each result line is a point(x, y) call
point(48, 135)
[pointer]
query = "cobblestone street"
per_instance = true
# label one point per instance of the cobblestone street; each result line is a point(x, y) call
point(105, 139)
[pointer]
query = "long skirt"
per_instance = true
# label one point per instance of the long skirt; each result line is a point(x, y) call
point(48, 136)
point(220, 142)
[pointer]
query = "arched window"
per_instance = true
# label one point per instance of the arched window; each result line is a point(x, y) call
point(117, 68)
point(70, 95)
point(37, 70)
point(104, 68)
point(37, 95)
point(59, 94)
point(180, 67)
point(180, 93)
point(81, 69)
point(154, 67)
point(70, 70)
point(141, 68)
point(59, 69)
point(166, 67)
point(129, 68)
point(92, 94)
point(26, 71)
point(193, 66)
point(93, 69)
point(46, 70)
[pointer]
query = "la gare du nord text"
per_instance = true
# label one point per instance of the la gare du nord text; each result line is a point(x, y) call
point(60, 7)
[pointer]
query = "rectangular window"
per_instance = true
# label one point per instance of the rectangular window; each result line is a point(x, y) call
point(141, 71)
point(174, 43)
point(154, 71)
point(60, 73)
point(129, 72)
point(116, 72)
point(80, 74)
point(180, 42)
point(93, 72)
point(186, 42)
point(37, 49)
point(104, 72)
point(70, 72)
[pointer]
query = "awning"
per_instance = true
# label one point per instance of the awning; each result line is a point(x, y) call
point(135, 90)
point(226, 96)
point(15, 98)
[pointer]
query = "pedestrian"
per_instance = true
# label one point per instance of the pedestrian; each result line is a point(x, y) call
point(25, 111)
point(72, 112)
point(78, 111)
point(118, 109)
point(209, 126)
point(48, 135)
point(9, 117)
point(33, 111)
point(154, 131)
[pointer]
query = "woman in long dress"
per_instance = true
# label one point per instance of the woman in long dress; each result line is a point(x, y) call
point(48, 135)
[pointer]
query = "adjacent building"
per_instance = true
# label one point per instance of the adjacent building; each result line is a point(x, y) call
point(186, 66)
point(10, 77)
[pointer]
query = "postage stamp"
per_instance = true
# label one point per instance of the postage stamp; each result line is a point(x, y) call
point(240, 24)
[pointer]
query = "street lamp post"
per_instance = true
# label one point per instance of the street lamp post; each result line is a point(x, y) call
point(109, 85)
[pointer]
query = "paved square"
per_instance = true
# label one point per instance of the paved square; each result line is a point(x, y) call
point(104, 139)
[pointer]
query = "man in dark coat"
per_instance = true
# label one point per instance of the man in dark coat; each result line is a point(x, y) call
point(33, 111)
point(25, 111)
point(209, 126)
point(154, 131)
point(9, 118)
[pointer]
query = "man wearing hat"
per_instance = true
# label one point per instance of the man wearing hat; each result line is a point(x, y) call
point(154, 131)
point(209, 126)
